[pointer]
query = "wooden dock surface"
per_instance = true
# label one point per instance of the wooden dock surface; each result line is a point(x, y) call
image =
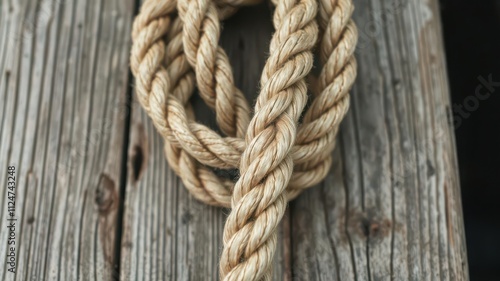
point(96, 200)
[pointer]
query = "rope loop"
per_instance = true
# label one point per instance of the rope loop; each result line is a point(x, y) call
point(176, 49)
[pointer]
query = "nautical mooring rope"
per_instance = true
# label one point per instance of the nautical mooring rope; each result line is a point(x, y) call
point(176, 48)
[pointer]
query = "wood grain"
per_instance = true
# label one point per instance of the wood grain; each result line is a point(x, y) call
point(88, 180)
point(391, 208)
point(63, 84)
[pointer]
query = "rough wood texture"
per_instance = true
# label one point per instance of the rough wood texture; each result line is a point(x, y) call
point(390, 210)
point(88, 180)
point(63, 84)
point(167, 235)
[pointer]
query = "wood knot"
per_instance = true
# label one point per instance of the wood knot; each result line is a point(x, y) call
point(380, 229)
point(106, 196)
point(186, 217)
point(30, 220)
point(371, 225)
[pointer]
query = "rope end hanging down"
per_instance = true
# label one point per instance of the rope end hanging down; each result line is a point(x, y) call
point(175, 48)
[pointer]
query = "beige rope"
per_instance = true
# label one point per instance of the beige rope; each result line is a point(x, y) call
point(175, 46)
point(266, 165)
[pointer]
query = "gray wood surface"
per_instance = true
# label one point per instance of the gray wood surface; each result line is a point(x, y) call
point(97, 201)
point(63, 87)
point(390, 210)
point(167, 235)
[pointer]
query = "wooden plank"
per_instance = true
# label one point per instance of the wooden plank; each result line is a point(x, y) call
point(391, 208)
point(63, 87)
point(168, 235)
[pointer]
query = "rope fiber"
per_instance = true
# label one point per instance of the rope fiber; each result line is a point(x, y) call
point(176, 49)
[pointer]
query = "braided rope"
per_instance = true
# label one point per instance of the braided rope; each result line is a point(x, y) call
point(266, 165)
point(175, 47)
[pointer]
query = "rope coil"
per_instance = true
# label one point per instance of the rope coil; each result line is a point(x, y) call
point(175, 49)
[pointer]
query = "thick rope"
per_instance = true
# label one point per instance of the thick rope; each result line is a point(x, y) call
point(176, 47)
point(316, 137)
point(266, 166)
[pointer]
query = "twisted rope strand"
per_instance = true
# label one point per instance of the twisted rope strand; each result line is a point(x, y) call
point(266, 166)
point(154, 85)
point(316, 135)
point(213, 71)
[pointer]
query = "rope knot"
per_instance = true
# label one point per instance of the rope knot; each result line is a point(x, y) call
point(176, 49)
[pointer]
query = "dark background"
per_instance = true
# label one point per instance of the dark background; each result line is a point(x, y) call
point(472, 40)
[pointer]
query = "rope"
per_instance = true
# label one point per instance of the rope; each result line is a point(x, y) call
point(175, 48)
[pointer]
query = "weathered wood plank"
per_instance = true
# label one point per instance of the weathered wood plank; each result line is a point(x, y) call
point(63, 84)
point(391, 208)
point(167, 235)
